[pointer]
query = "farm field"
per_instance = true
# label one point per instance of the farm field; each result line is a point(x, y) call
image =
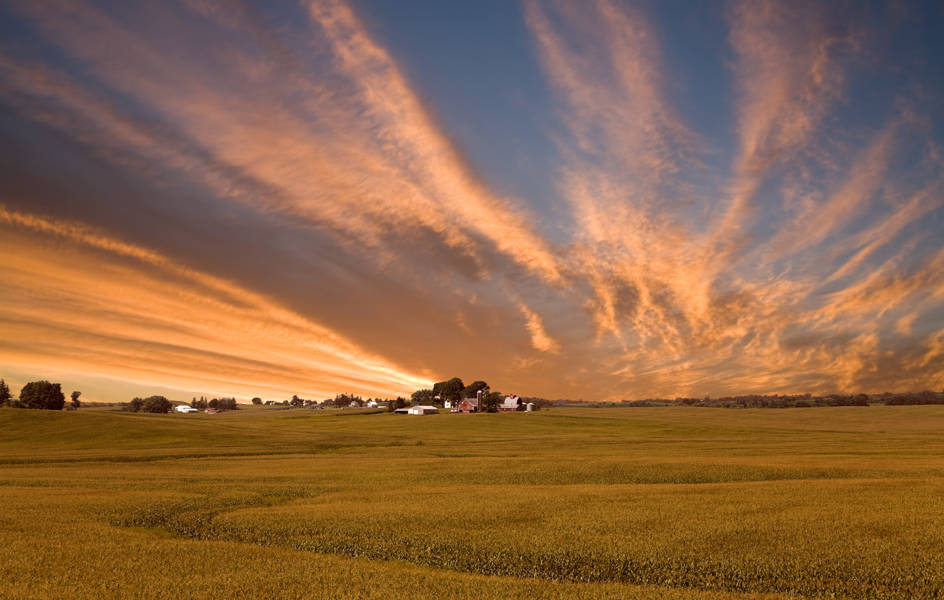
point(671, 502)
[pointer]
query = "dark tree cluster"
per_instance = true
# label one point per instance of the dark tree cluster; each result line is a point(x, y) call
point(341, 400)
point(222, 404)
point(219, 404)
point(423, 397)
point(776, 401)
point(5, 396)
point(490, 401)
point(151, 404)
point(42, 395)
point(393, 405)
point(925, 397)
point(451, 390)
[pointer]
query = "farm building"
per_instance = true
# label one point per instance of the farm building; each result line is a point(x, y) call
point(185, 409)
point(466, 406)
point(471, 405)
point(510, 404)
point(417, 410)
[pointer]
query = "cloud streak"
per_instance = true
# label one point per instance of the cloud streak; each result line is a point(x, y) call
point(143, 316)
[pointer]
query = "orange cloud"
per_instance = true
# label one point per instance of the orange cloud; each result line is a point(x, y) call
point(539, 338)
point(79, 299)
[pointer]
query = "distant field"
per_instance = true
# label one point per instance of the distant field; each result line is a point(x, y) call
point(669, 502)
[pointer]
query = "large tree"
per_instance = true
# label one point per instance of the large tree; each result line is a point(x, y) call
point(76, 403)
point(43, 395)
point(422, 397)
point(156, 404)
point(5, 395)
point(491, 402)
point(226, 404)
point(473, 388)
point(449, 390)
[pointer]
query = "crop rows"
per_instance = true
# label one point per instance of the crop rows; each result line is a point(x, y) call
point(768, 552)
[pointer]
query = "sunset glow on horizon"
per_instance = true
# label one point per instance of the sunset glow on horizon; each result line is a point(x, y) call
point(598, 200)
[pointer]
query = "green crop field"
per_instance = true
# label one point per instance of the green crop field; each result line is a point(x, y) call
point(672, 502)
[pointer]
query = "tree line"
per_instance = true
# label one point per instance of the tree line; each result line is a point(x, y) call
point(800, 400)
point(219, 404)
point(777, 401)
point(925, 397)
point(43, 395)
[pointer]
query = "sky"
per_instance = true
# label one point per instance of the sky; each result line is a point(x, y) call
point(595, 200)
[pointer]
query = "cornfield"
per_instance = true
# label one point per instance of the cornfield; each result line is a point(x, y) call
point(573, 503)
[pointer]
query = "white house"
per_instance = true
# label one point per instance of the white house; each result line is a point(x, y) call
point(423, 410)
point(183, 408)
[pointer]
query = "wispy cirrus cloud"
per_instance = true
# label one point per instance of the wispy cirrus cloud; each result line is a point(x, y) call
point(701, 301)
point(625, 149)
point(790, 74)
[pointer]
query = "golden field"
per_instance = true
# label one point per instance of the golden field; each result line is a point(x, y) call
point(671, 502)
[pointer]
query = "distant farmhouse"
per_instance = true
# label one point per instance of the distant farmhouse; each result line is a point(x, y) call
point(417, 410)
